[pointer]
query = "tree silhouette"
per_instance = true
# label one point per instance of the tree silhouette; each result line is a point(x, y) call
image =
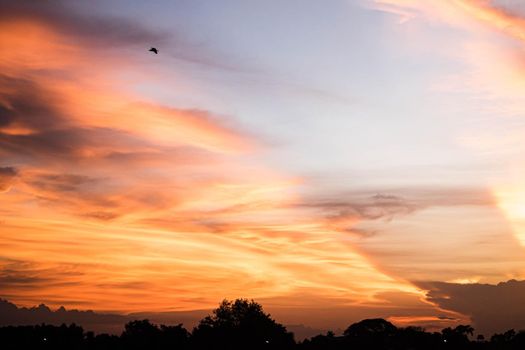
point(416, 338)
point(103, 342)
point(374, 333)
point(370, 328)
point(240, 324)
point(174, 337)
point(42, 337)
point(504, 338)
point(140, 335)
point(145, 335)
point(328, 341)
point(457, 338)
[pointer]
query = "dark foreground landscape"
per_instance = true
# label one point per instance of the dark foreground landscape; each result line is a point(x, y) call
point(242, 324)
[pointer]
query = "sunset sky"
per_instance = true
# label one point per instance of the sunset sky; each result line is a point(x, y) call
point(334, 160)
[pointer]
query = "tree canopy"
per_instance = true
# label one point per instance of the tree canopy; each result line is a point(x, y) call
point(241, 324)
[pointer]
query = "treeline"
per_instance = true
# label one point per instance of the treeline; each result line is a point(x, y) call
point(242, 324)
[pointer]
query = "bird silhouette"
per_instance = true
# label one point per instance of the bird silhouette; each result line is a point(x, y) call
point(153, 49)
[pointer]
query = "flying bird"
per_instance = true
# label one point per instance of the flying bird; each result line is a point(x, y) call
point(153, 49)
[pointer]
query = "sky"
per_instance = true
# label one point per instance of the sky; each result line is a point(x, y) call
point(333, 160)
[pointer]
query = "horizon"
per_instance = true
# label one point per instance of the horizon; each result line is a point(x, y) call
point(333, 161)
point(114, 323)
point(241, 323)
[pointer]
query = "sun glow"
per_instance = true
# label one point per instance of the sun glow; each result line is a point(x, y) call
point(511, 200)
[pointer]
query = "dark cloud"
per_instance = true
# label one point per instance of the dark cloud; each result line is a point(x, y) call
point(86, 196)
point(112, 33)
point(55, 141)
point(8, 171)
point(5, 117)
point(492, 308)
point(14, 279)
point(7, 176)
point(54, 136)
point(101, 215)
point(365, 233)
point(61, 182)
point(515, 8)
point(59, 144)
point(369, 207)
point(68, 21)
point(386, 204)
point(16, 275)
point(10, 314)
point(70, 145)
point(27, 104)
point(103, 198)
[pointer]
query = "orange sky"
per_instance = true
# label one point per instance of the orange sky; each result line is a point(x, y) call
point(111, 200)
point(148, 207)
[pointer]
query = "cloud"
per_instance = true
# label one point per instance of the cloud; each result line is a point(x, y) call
point(343, 210)
point(403, 13)
point(368, 207)
point(29, 106)
point(107, 35)
point(16, 274)
point(502, 15)
point(386, 226)
point(39, 122)
point(7, 176)
point(10, 314)
point(62, 182)
point(514, 6)
point(85, 146)
point(98, 31)
point(492, 308)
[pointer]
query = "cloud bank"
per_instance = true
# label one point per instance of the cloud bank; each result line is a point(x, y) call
point(492, 308)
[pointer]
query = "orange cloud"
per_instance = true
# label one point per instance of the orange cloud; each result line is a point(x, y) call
point(500, 18)
point(461, 13)
point(7, 176)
